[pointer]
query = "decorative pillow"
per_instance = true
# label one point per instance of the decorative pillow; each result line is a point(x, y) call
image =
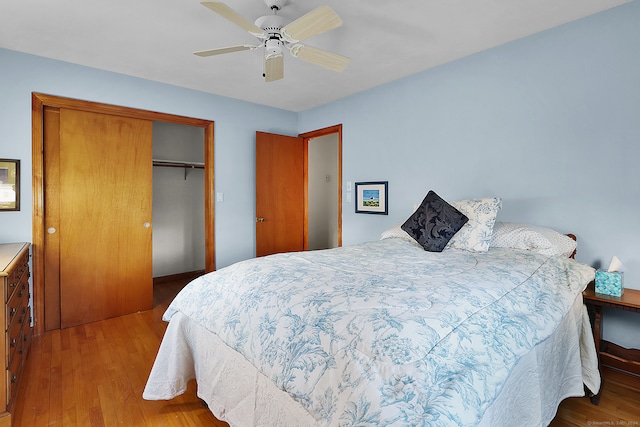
point(476, 234)
point(533, 238)
point(434, 223)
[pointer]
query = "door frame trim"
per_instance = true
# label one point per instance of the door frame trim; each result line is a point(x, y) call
point(38, 102)
point(335, 129)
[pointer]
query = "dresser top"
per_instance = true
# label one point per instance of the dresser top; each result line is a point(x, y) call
point(8, 252)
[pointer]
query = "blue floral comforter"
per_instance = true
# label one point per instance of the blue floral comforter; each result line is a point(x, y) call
point(385, 333)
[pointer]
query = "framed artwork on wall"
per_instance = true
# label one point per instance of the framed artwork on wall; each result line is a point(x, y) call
point(372, 197)
point(9, 185)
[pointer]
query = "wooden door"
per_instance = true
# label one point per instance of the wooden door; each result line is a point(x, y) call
point(279, 194)
point(104, 222)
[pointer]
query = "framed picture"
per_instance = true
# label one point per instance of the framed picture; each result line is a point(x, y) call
point(9, 185)
point(371, 197)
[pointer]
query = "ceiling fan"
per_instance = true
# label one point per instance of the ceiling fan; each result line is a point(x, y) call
point(275, 35)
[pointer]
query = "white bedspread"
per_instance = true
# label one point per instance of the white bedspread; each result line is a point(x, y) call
point(380, 334)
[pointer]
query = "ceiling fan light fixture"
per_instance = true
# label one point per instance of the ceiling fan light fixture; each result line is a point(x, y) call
point(273, 47)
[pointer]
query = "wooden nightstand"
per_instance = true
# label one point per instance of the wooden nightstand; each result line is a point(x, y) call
point(609, 354)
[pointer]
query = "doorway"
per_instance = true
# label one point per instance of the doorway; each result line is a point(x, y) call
point(283, 211)
point(323, 196)
point(322, 187)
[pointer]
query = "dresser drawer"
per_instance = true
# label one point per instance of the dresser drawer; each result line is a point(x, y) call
point(17, 275)
point(13, 375)
point(17, 362)
point(13, 335)
point(19, 298)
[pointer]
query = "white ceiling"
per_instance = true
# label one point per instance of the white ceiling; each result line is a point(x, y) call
point(386, 40)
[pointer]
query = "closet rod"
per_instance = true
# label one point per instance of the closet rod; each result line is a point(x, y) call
point(177, 164)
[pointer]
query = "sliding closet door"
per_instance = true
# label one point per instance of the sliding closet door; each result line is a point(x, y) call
point(104, 230)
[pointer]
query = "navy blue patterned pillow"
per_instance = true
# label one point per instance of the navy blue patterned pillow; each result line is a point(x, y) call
point(434, 223)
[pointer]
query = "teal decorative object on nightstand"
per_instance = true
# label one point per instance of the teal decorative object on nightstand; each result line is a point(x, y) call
point(610, 283)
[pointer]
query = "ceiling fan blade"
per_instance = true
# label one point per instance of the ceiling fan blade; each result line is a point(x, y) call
point(313, 23)
point(222, 50)
point(233, 16)
point(329, 60)
point(273, 67)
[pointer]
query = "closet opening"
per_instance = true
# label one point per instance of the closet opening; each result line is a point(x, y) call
point(178, 202)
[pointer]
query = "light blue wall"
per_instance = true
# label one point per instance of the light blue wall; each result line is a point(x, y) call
point(235, 125)
point(550, 123)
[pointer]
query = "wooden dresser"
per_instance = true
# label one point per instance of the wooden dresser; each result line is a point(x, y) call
point(16, 318)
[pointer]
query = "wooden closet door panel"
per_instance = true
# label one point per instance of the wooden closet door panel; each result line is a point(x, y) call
point(51, 133)
point(105, 215)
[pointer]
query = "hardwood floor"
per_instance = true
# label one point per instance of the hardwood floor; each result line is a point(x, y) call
point(619, 406)
point(94, 375)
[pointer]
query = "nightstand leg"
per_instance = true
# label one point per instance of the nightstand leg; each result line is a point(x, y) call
point(597, 336)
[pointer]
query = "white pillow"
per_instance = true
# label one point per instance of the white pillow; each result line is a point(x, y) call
point(475, 235)
point(533, 238)
point(396, 232)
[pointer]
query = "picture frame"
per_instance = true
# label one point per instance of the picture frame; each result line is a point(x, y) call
point(9, 185)
point(372, 197)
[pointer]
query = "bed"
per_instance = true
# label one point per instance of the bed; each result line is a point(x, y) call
point(387, 333)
